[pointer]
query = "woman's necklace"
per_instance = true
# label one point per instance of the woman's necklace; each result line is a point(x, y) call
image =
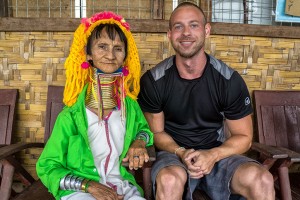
point(105, 92)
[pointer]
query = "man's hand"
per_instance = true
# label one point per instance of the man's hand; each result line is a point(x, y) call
point(200, 162)
point(137, 155)
point(103, 192)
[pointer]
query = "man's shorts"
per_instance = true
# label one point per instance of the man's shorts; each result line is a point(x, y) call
point(216, 184)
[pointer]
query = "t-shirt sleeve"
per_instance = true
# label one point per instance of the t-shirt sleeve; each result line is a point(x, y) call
point(237, 101)
point(149, 98)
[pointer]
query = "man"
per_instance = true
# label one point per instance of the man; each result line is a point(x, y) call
point(185, 99)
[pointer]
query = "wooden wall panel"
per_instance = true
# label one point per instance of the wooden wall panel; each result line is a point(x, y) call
point(30, 61)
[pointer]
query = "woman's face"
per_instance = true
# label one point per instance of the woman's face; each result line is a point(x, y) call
point(107, 55)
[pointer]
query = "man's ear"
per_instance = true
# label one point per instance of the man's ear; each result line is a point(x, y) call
point(207, 30)
point(169, 33)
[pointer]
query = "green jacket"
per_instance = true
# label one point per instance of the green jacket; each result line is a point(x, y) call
point(68, 152)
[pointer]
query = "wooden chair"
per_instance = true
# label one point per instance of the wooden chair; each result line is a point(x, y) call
point(37, 190)
point(8, 99)
point(277, 115)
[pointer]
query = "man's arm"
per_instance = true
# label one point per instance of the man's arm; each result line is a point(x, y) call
point(239, 142)
point(162, 140)
point(240, 139)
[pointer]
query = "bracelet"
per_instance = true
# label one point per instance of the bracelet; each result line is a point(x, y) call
point(78, 182)
point(85, 185)
point(71, 182)
point(178, 150)
point(68, 182)
point(142, 136)
point(62, 184)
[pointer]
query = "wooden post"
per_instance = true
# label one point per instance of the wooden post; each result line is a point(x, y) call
point(3, 8)
point(206, 6)
point(158, 9)
point(246, 12)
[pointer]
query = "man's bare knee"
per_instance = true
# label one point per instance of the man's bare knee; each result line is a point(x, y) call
point(253, 182)
point(170, 183)
point(171, 176)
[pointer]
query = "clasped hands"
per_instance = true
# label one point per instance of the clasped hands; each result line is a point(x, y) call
point(137, 155)
point(198, 162)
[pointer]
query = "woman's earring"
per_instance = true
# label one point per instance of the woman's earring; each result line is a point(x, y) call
point(125, 70)
point(85, 65)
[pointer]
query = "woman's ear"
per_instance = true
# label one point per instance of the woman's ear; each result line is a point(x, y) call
point(88, 57)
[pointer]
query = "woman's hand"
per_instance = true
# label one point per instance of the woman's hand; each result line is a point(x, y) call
point(103, 192)
point(137, 155)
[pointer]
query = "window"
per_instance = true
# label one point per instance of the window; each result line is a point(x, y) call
point(261, 12)
point(246, 12)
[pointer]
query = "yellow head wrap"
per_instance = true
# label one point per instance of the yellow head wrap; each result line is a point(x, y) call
point(77, 76)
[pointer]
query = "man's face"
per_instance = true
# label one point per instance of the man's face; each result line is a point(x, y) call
point(188, 31)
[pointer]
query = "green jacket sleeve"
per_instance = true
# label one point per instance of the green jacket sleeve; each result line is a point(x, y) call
point(142, 124)
point(51, 165)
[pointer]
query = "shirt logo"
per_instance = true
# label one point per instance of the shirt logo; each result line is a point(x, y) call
point(247, 101)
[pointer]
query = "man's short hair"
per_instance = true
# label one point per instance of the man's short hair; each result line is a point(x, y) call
point(183, 4)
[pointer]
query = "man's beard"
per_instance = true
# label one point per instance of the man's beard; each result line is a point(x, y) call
point(189, 54)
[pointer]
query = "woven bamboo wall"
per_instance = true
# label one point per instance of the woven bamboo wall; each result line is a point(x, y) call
point(30, 61)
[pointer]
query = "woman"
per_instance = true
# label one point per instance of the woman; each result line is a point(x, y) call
point(102, 124)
